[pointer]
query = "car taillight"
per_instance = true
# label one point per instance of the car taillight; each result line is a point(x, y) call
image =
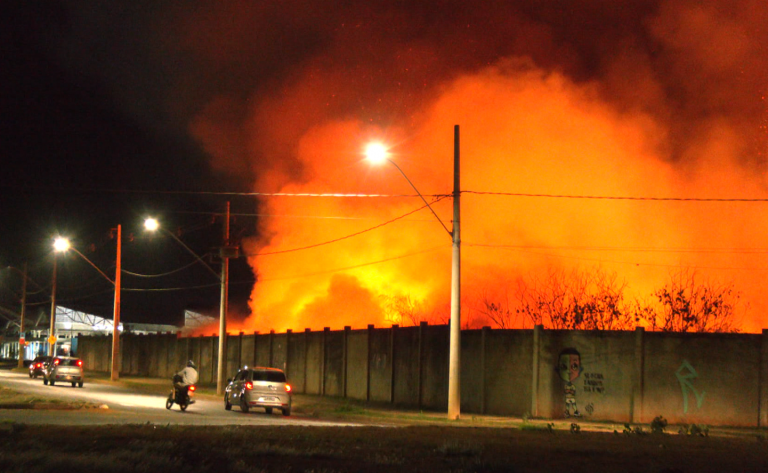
point(56, 362)
point(287, 388)
point(192, 387)
point(80, 363)
point(249, 385)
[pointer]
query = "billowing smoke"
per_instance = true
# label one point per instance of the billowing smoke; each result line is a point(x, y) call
point(638, 98)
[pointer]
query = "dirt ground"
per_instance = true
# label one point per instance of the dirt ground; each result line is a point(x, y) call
point(152, 448)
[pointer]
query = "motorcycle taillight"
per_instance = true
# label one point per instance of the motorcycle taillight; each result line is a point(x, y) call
point(192, 388)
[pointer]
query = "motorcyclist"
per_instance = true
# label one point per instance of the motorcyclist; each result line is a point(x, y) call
point(186, 377)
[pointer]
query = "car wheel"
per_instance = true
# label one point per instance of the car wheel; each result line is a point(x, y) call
point(286, 411)
point(268, 409)
point(45, 381)
point(227, 404)
point(244, 404)
point(80, 384)
point(31, 375)
point(52, 382)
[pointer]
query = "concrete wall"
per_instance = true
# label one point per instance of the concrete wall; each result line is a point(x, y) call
point(713, 379)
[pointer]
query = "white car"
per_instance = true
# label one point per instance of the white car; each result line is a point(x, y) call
point(64, 368)
point(259, 387)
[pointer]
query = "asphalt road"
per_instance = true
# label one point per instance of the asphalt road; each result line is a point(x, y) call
point(124, 406)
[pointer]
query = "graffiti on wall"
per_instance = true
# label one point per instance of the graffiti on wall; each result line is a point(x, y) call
point(685, 376)
point(593, 383)
point(569, 368)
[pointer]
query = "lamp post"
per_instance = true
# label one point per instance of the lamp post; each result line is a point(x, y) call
point(59, 245)
point(115, 365)
point(115, 372)
point(152, 224)
point(21, 315)
point(377, 153)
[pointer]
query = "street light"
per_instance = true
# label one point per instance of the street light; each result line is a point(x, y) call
point(377, 153)
point(59, 245)
point(152, 225)
point(62, 245)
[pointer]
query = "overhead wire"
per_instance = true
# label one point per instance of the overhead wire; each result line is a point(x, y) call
point(606, 197)
point(347, 236)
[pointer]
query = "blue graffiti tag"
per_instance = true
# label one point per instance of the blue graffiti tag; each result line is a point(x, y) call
point(685, 374)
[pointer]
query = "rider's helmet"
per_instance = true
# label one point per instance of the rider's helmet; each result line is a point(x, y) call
point(191, 364)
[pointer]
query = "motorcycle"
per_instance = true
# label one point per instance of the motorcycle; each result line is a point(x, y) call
point(181, 396)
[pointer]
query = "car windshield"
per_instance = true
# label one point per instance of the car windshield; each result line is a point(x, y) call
point(273, 376)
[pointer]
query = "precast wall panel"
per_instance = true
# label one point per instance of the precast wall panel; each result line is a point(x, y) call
point(508, 372)
point(435, 368)
point(586, 374)
point(380, 362)
point(407, 364)
point(247, 358)
point(314, 362)
point(334, 363)
point(279, 351)
point(702, 378)
point(472, 373)
point(357, 364)
point(297, 345)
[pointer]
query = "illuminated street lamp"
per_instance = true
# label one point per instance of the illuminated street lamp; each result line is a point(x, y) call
point(59, 245)
point(152, 225)
point(62, 245)
point(377, 153)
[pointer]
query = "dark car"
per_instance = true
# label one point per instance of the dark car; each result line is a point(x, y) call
point(37, 367)
point(259, 387)
point(64, 368)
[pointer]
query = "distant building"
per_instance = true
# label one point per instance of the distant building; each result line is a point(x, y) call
point(69, 324)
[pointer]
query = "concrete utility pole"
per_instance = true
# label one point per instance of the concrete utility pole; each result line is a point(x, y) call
point(52, 330)
point(454, 364)
point(116, 318)
point(21, 321)
point(221, 374)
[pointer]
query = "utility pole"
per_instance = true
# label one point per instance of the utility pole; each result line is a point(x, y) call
point(52, 331)
point(21, 321)
point(116, 318)
point(454, 363)
point(224, 253)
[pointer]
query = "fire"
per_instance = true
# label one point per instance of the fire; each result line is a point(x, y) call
point(530, 133)
point(535, 143)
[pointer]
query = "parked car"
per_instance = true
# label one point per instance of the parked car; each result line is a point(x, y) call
point(259, 387)
point(64, 368)
point(37, 367)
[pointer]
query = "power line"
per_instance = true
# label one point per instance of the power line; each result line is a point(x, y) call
point(604, 197)
point(626, 249)
point(346, 268)
point(603, 260)
point(353, 195)
point(160, 274)
point(221, 193)
point(347, 236)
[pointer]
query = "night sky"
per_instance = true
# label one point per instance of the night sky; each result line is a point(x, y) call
point(114, 111)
